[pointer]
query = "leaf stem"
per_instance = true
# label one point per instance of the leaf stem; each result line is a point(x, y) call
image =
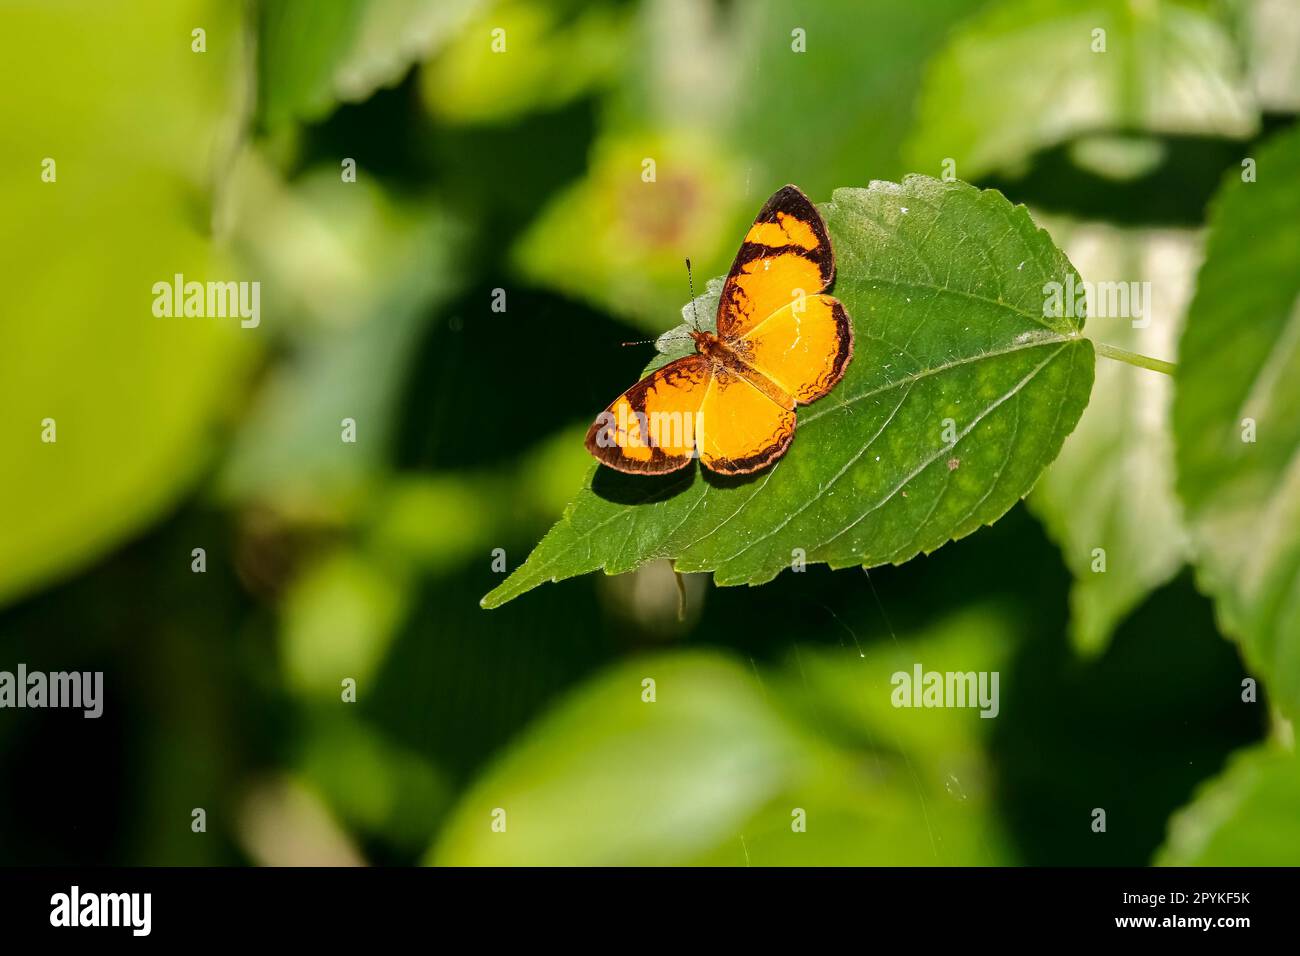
point(1132, 358)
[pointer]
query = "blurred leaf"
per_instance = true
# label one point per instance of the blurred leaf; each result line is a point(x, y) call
point(871, 53)
point(338, 621)
point(712, 771)
point(551, 56)
point(618, 241)
point(852, 688)
point(903, 786)
point(1112, 487)
point(373, 785)
point(313, 55)
point(1024, 76)
point(714, 97)
point(1239, 370)
point(135, 123)
point(1118, 158)
point(356, 274)
point(1271, 37)
point(435, 522)
point(945, 286)
point(607, 779)
point(1246, 816)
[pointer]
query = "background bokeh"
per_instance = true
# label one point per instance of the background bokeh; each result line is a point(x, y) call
point(521, 171)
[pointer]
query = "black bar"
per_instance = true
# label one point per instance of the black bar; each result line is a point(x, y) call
point(305, 905)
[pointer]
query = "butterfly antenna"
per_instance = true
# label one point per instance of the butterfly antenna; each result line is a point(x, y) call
point(690, 284)
point(641, 342)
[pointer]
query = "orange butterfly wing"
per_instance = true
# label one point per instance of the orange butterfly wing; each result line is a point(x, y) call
point(786, 255)
point(653, 427)
point(747, 424)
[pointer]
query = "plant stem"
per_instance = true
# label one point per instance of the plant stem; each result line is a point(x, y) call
point(1132, 358)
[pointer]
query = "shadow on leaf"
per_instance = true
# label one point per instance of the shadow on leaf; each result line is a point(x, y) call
point(627, 489)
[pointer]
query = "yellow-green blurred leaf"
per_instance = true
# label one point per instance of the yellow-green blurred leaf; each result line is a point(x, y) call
point(619, 237)
point(134, 122)
point(543, 56)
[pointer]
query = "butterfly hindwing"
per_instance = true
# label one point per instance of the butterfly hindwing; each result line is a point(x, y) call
point(802, 348)
point(744, 428)
point(651, 429)
point(786, 254)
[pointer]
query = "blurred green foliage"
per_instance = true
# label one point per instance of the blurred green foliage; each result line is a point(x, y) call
point(522, 171)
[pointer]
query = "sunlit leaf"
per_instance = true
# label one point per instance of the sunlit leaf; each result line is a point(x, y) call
point(733, 765)
point(1237, 416)
point(542, 57)
point(1246, 816)
point(1034, 73)
point(1270, 34)
point(1112, 487)
point(135, 123)
point(610, 778)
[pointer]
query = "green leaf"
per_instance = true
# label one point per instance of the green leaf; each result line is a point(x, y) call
point(372, 783)
point(1244, 817)
point(875, 73)
point(1270, 32)
point(1025, 76)
point(554, 52)
point(338, 620)
point(616, 240)
point(707, 751)
point(356, 274)
point(710, 771)
point(1239, 369)
point(894, 786)
point(1112, 487)
point(312, 56)
point(136, 125)
point(945, 287)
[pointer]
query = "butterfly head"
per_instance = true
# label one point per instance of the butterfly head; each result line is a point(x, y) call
point(705, 343)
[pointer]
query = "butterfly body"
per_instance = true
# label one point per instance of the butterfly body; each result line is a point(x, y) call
point(781, 342)
point(730, 362)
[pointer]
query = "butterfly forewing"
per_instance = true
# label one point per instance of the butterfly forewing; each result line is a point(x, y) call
point(654, 426)
point(786, 255)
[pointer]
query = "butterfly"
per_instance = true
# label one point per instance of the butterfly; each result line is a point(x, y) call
point(781, 342)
